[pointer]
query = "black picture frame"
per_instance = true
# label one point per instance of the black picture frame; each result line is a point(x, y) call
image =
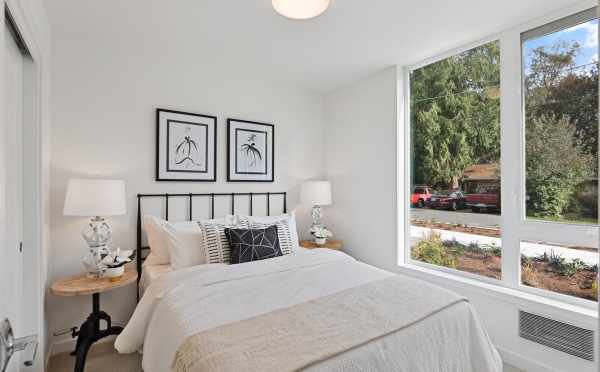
point(232, 160)
point(166, 174)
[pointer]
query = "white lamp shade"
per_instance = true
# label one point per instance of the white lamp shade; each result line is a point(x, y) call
point(300, 9)
point(93, 197)
point(316, 193)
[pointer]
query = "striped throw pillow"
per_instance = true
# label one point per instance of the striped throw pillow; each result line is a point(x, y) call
point(216, 246)
point(284, 231)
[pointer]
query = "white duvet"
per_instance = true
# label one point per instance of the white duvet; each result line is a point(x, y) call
point(185, 302)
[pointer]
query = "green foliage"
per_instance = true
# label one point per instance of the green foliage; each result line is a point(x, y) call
point(455, 106)
point(455, 123)
point(556, 163)
point(560, 265)
point(561, 132)
point(556, 86)
point(432, 250)
point(493, 249)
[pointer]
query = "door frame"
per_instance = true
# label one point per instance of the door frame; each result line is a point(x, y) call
point(34, 257)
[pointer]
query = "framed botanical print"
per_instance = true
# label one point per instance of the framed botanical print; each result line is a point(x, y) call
point(250, 151)
point(186, 146)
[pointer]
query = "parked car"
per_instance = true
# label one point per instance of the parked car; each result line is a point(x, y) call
point(451, 199)
point(420, 196)
point(487, 197)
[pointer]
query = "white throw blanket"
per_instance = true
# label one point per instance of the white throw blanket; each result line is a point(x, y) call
point(187, 302)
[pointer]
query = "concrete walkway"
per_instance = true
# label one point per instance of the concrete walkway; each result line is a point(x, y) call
point(527, 248)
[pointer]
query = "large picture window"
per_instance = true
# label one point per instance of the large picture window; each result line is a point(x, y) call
point(560, 90)
point(455, 162)
point(472, 139)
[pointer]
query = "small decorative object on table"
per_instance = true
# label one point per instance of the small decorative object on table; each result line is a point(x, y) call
point(320, 233)
point(114, 263)
point(95, 198)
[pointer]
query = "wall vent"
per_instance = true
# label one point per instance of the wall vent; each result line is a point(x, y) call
point(557, 335)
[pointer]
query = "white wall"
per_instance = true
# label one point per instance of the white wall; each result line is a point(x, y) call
point(361, 128)
point(360, 159)
point(104, 101)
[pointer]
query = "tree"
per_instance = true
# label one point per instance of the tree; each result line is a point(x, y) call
point(455, 108)
point(556, 85)
point(561, 106)
point(556, 163)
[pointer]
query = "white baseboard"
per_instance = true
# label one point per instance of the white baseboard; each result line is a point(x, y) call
point(522, 362)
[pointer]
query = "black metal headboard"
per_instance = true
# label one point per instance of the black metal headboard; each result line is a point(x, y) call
point(139, 246)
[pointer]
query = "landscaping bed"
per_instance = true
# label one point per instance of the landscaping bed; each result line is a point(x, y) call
point(574, 280)
point(493, 232)
point(548, 271)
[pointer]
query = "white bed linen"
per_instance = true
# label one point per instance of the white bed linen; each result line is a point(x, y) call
point(150, 273)
point(189, 301)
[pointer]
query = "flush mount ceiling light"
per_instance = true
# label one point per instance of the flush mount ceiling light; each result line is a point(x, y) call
point(300, 9)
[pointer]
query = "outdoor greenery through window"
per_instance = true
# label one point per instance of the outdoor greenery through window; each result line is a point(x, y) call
point(550, 152)
point(455, 162)
point(561, 124)
point(560, 70)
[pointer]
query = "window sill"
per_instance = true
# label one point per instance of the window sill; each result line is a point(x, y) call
point(511, 295)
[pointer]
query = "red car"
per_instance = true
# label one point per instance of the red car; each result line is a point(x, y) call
point(421, 196)
point(485, 198)
point(452, 199)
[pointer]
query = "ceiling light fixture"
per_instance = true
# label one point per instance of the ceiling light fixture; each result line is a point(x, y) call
point(300, 9)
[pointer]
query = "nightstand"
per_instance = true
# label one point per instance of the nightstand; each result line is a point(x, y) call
point(337, 245)
point(90, 332)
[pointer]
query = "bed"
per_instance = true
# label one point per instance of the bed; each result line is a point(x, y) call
point(313, 310)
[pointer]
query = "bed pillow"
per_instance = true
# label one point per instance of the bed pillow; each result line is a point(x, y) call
point(286, 228)
point(249, 245)
point(157, 239)
point(214, 241)
point(159, 253)
point(184, 246)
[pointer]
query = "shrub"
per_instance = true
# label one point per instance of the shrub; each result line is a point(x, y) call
point(555, 259)
point(556, 164)
point(493, 249)
point(433, 251)
point(529, 275)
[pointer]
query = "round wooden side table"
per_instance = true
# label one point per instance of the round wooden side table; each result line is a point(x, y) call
point(337, 245)
point(90, 332)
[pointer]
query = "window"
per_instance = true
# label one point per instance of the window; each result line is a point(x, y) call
point(455, 150)
point(542, 156)
point(560, 90)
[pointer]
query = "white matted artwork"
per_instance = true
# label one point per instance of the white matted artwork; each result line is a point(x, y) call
point(250, 151)
point(186, 146)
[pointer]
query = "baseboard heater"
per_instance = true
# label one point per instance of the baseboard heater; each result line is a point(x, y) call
point(557, 335)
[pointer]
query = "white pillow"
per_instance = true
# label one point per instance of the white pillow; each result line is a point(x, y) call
point(159, 253)
point(286, 219)
point(185, 245)
point(157, 239)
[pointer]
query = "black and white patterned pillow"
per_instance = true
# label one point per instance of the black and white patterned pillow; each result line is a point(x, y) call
point(215, 244)
point(284, 232)
point(253, 244)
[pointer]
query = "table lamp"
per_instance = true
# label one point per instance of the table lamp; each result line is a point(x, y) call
point(95, 198)
point(316, 194)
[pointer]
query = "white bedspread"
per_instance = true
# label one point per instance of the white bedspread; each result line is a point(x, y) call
point(186, 302)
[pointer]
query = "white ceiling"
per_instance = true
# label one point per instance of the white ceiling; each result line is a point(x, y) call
point(351, 40)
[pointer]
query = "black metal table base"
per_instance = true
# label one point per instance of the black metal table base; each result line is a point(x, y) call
point(90, 332)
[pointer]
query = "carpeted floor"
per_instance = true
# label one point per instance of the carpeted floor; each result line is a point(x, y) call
point(103, 358)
